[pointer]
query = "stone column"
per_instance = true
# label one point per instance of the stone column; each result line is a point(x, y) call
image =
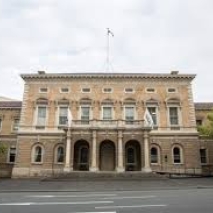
point(146, 167)
point(93, 167)
point(68, 166)
point(120, 166)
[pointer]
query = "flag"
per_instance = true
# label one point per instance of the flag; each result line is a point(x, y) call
point(148, 119)
point(110, 32)
point(69, 118)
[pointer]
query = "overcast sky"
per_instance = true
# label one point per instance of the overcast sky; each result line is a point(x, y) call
point(151, 36)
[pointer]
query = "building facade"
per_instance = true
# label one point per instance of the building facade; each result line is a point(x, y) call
point(96, 122)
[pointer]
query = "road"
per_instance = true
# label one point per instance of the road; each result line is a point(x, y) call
point(161, 201)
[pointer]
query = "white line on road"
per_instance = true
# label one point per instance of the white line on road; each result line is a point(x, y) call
point(91, 212)
point(56, 203)
point(122, 207)
point(128, 197)
point(71, 196)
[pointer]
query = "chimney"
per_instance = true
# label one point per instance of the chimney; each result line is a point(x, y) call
point(41, 72)
point(174, 72)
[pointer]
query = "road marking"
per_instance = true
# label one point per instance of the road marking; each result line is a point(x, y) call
point(122, 207)
point(78, 196)
point(91, 212)
point(128, 197)
point(56, 203)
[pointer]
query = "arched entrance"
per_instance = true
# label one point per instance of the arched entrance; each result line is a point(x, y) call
point(107, 156)
point(81, 156)
point(132, 156)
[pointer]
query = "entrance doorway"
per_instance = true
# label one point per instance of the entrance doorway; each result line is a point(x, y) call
point(107, 156)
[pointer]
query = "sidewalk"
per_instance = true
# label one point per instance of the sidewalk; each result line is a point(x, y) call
point(38, 185)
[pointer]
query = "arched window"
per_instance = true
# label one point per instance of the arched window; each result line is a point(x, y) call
point(59, 154)
point(37, 154)
point(154, 155)
point(177, 155)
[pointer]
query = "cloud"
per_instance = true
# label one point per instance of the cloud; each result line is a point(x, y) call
point(70, 36)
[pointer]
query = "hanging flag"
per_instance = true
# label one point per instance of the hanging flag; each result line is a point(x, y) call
point(110, 32)
point(148, 119)
point(69, 118)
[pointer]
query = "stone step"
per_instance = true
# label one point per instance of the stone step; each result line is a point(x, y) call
point(83, 175)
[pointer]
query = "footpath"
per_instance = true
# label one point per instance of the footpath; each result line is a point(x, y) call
point(81, 185)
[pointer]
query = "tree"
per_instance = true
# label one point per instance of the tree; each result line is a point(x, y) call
point(207, 130)
point(3, 149)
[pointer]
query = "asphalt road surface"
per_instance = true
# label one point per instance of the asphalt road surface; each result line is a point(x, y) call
point(161, 201)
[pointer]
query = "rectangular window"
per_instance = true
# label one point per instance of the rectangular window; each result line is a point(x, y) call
point(153, 113)
point(107, 90)
point(85, 90)
point(150, 90)
point(43, 90)
point(171, 90)
point(63, 112)
point(199, 122)
point(107, 113)
point(15, 124)
point(85, 111)
point(41, 119)
point(129, 90)
point(12, 155)
point(64, 90)
point(173, 115)
point(129, 115)
point(203, 157)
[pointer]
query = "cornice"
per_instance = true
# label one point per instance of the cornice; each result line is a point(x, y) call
point(107, 76)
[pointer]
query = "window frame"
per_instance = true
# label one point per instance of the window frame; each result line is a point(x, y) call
point(10, 154)
point(155, 116)
point(57, 156)
point(83, 88)
point(66, 92)
point(46, 115)
point(178, 116)
point(181, 155)
point(133, 90)
point(34, 152)
point(40, 89)
point(134, 114)
point(80, 116)
point(173, 88)
point(112, 112)
point(13, 125)
point(157, 156)
point(206, 156)
point(104, 88)
point(58, 115)
point(150, 88)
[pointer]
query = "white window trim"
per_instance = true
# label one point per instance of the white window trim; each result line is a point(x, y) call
point(90, 111)
point(181, 155)
point(167, 90)
point(36, 115)
point(158, 152)
point(179, 116)
point(43, 88)
point(82, 88)
point(135, 113)
point(107, 88)
point(33, 154)
point(57, 115)
point(56, 154)
point(155, 91)
point(12, 126)
point(102, 111)
point(133, 90)
point(65, 88)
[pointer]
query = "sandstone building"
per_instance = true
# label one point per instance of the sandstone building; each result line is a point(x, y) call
point(107, 131)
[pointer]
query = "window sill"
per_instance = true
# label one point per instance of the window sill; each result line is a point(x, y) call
point(37, 163)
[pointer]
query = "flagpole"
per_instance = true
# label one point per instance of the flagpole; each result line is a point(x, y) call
point(108, 49)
